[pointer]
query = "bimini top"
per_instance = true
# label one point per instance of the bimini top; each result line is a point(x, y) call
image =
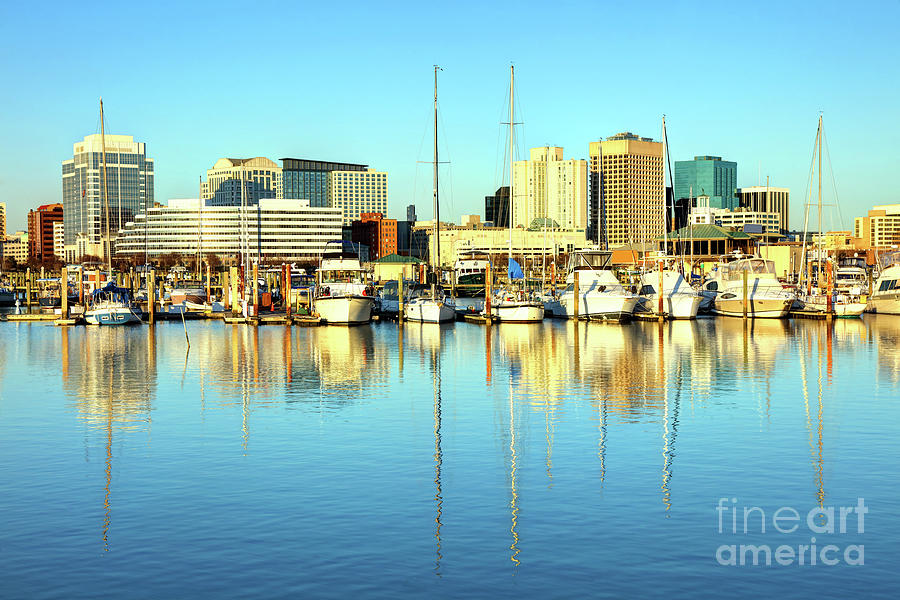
point(111, 290)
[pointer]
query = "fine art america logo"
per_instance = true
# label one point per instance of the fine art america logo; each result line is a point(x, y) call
point(830, 521)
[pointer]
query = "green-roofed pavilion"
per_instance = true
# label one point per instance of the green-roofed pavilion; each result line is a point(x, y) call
point(706, 242)
point(396, 259)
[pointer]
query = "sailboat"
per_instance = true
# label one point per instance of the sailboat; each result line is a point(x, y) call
point(664, 292)
point(429, 304)
point(110, 305)
point(823, 299)
point(512, 304)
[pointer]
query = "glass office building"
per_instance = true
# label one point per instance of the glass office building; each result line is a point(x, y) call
point(129, 183)
point(303, 179)
point(707, 176)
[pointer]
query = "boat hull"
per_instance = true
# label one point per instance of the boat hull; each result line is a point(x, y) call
point(345, 310)
point(766, 308)
point(885, 305)
point(429, 311)
point(675, 306)
point(518, 312)
point(119, 315)
point(596, 307)
point(7, 298)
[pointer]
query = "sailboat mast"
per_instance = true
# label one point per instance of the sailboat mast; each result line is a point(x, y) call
point(199, 223)
point(437, 211)
point(819, 275)
point(665, 162)
point(511, 173)
point(105, 191)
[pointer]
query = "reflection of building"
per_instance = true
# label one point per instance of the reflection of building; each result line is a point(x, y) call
point(880, 228)
point(129, 184)
point(626, 180)
point(222, 187)
point(41, 224)
point(547, 187)
point(357, 192)
point(303, 179)
point(287, 229)
point(768, 200)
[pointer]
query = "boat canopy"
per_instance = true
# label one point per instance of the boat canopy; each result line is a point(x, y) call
point(515, 270)
point(590, 259)
point(757, 266)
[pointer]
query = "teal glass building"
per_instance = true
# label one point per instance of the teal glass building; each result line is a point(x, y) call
point(707, 176)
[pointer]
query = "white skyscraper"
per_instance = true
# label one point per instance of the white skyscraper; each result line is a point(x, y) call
point(548, 187)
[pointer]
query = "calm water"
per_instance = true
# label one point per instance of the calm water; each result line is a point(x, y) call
point(454, 461)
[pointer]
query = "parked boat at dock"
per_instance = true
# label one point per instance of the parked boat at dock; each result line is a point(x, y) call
point(344, 294)
point(111, 305)
point(766, 297)
point(600, 295)
point(679, 300)
point(886, 293)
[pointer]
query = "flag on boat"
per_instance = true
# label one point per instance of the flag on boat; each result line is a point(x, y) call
point(515, 271)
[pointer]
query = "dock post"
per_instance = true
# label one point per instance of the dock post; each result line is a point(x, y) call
point(453, 283)
point(80, 280)
point(208, 284)
point(286, 284)
point(151, 296)
point(400, 298)
point(488, 284)
point(577, 292)
point(255, 289)
point(28, 287)
point(64, 293)
point(234, 293)
point(659, 292)
point(744, 272)
point(42, 271)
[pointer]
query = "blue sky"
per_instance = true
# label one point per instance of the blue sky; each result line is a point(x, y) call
point(353, 82)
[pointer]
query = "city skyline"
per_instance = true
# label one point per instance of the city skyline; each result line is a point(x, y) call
point(753, 107)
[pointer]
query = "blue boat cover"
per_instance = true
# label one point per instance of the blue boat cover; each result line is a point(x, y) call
point(515, 271)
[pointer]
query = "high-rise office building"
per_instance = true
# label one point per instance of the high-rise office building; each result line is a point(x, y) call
point(303, 179)
point(627, 195)
point(59, 240)
point(548, 187)
point(357, 192)
point(129, 184)
point(2, 220)
point(880, 228)
point(261, 177)
point(411, 213)
point(762, 198)
point(704, 176)
point(496, 207)
point(40, 230)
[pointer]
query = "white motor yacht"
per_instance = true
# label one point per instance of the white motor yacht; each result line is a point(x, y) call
point(766, 297)
point(429, 304)
point(344, 294)
point(600, 295)
point(679, 300)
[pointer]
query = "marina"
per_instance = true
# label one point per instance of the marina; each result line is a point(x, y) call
point(423, 458)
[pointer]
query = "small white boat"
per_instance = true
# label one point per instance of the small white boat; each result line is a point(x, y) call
point(429, 306)
point(344, 294)
point(111, 305)
point(190, 291)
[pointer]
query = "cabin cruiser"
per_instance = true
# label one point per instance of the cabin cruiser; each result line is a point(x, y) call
point(111, 305)
point(885, 297)
point(469, 274)
point(852, 276)
point(600, 294)
point(429, 304)
point(344, 294)
point(679, 300)
point(766, 297)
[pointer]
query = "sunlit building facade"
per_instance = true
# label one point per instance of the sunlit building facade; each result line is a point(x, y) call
point(303, 179)
point(129, 183)
point(762, 198)
point(548, 187)
point(357, 192)
point(626, 190)
point(275, 229)
point(260, 176)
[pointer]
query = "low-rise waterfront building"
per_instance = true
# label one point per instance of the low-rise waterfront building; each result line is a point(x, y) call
point(288, 230)
point(394, 266)
point(15, 246)
point(529, 244)
point(376, 232)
